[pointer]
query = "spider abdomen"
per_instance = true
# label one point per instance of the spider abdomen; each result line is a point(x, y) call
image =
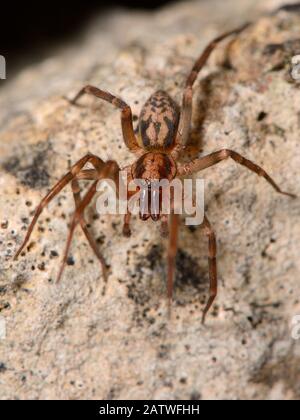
point(158, 122)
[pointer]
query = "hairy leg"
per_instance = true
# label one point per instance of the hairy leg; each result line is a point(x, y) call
point(216, 157)
point(186, 109)
point(88, 235)
point(172, 252)
point(74, 171)
point(126, 113)
point(109, 170)
point(212, 248)
point(164, 227)
point(126, 226)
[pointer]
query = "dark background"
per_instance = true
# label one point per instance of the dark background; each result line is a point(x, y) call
point(29, 29)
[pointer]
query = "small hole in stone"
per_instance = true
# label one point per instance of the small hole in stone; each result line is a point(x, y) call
point(53, 254)
point(261, 116)
point(70, 261)
point(41, 266)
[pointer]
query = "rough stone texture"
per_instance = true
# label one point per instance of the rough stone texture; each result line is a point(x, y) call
point(77, 340)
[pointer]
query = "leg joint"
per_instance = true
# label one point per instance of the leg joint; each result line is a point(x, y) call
point(226, 153)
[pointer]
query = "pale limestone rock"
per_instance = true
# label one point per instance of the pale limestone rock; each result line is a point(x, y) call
point(71, 340)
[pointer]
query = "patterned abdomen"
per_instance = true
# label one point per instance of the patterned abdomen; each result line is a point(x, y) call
point(158, 122)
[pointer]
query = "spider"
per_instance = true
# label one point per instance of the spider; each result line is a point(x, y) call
point(163, 132)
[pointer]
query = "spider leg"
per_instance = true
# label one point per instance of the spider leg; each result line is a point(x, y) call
point(186, 109)
point(87, 174)
point(172, 252)
point(212, 247)
point(76, 218)
point(164, 228)
point(111, 170)
point(126, 113)
point(127, 216)
point(126, 226)
point(88, 235)
point(216, 157)
point(74, 171)
point(208, 50)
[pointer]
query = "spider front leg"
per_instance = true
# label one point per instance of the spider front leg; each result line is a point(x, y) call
point(109, 170)
point(212, 259)
point(164, 227)
point(126, 113)
point(77, 198)
point(126, 225)
point(186, 108)
point(128, 215)
point(216, 157)
point(172, 252)
point(94, 160)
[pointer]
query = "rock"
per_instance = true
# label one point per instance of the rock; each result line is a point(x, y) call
point(80, 339)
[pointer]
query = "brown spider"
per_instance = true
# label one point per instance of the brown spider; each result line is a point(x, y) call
point(163, 131)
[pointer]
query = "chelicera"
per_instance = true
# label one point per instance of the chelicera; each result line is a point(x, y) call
point(163, 132)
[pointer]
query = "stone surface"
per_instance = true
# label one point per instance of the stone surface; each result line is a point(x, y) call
point(81, 340)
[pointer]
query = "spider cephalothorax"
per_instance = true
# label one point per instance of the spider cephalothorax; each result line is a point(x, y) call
point(159, 141)
point(154, 166)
